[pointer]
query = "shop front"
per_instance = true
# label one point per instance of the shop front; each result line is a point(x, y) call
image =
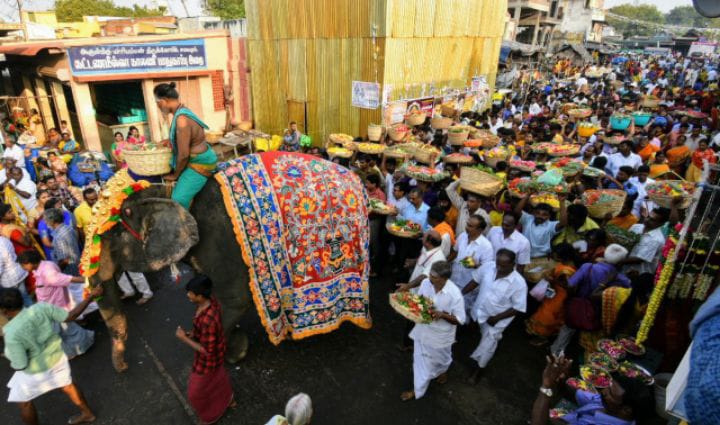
point(104, 86)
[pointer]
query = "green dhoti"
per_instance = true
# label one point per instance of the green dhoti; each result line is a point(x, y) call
point(193, 178)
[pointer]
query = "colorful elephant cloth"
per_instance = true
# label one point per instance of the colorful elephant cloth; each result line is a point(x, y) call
point(302, 225)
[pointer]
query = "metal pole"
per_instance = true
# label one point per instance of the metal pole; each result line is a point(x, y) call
point(22, 20)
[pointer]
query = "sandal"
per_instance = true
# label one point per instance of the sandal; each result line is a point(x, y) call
point(80, 419)
point(407, 396)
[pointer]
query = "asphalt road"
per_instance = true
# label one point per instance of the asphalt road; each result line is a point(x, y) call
point(354, 376)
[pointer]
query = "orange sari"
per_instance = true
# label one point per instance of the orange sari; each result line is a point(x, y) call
point(647, 152)
point(550, 316)
point(657, 170)
point(676, 156)
point(624, 222)
point(445, 229)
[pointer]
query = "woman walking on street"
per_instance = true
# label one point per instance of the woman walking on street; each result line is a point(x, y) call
point(209, 389)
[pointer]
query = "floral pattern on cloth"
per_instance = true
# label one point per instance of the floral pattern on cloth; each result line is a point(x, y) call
point(302, 225)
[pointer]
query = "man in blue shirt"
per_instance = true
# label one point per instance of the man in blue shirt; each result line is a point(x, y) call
point(417, 210)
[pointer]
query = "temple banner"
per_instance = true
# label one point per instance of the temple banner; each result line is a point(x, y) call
point(177, 55)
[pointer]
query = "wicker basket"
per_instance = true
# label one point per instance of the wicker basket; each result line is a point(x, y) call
point(650, 103)
point(440, 123)
point(489, 140)
point(213, 137)
point(340, 138)
point(458, 158)
point(374, 132)
point(339, 152)
point(397, 132)
point(371, 148)
point(403, 311)
point(402, 233)
point(601, 210)
point(613, 140)
point(416, 118)
point(149, 163)
point(426, 156)
point(245, 126)
point(568, 152)
point(580, 112)
point(521, 167)
point(457, 138)
point(448, 111)
point(665, 201)
point(480, 182)
point(568, 106)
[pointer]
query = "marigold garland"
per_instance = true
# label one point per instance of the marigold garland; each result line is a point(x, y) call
point(105, 215)
point(656, 298)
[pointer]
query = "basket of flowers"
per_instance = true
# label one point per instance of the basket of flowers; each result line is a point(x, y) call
point(691, 113)
point(425, 174)
point(527, 166)
point(541, 147)
point(416, 117)
point(587, 129)
point(149, 159)
point(580, 112)
point(620, 121)
point(412, 306)
point(374, 132)
point(601, 202)
point(440, 123)
point(340, 138)
point(426, 154)
point(404, 228)
point(545, 198)
point(371, 148)
point(398, 132)
point(401, 151)
point(480, 182)
point(562, 149)
point(662, 192)
point(458, 158)
point(488, 139)
point(568, 106)
point(613, 140)
point(495, 155)
point(377, 206)
point(521, 186)
point(457, 135)
point(339, 152)
point(618, 235)
point(568, 166)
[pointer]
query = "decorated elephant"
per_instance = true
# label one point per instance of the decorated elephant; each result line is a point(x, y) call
point(287, 232)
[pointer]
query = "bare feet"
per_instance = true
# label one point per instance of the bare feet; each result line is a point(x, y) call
point(82, 418)
point(442, 379)
point(475, 377)
point(143, 300)
point(126, 296)
point(407, 396)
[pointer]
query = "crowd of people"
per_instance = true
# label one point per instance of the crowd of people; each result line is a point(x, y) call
point(485, 260)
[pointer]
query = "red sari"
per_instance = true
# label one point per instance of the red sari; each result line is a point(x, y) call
point(209, 389)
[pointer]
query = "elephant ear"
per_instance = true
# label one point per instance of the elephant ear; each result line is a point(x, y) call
point(156, 232)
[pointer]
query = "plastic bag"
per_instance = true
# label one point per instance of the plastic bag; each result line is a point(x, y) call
point(539, 290)
point(305, 141)
point(552, 177)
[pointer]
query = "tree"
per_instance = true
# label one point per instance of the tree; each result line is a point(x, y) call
point(227, 9)
point(643, 12)
point(686, 16)
point(74, 10)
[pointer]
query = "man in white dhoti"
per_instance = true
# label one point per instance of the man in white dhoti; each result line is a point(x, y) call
point(471, 251)
point(502, 295)
point(35, 352)
point(432, 351)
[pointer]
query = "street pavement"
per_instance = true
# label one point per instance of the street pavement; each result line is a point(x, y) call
point(353, 376)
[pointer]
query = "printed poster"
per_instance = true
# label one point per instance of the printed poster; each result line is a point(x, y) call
point(365, 95)
point(394, 112)
point(424, 104)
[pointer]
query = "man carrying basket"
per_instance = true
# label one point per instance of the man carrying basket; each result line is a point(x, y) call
point(193, 159)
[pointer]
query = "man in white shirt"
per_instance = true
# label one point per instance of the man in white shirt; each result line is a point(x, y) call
point(507, 236)
point(640, 180)
point(692, 141)
point(12, 275)
point(624, 157)
point(25, 189)
point(535, 108)
point(8, 163)
point(646, 253)
point(430, 254)
point(471, 251)
point(432, 351)
point(12, 150)
point(503, 295)
point(467, 207)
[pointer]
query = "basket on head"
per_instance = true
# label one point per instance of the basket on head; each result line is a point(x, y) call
point(488, 139)
point(650, 103)
point(427, 155)
point(568, 106)
point(149, 163)
point(480, 182)
point(374, 132)
point(665, 200)
point(641, 118)
point(397, 132)
point(620, 122)
point(457, 135)
point(448, 111)
point(340, 138)
point(416, 118)
point(601, 209)
point(587, 131)
point(570, 150)
point(213, 137)
point(440, 123)
point(458, 158)
point(492, 161)
point(339, 152)
point(580, 112)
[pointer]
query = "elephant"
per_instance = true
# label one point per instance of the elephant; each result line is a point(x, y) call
point(157, 232)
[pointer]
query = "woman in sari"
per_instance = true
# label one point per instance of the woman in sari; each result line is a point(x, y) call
point(134, 137)
point(550, 316)
point(18, 235)
point(659, 165)
point(703, 153)
point(647, 149)
point(117, 148)
point(678, 155)
point(209, 389)
point(35, 214)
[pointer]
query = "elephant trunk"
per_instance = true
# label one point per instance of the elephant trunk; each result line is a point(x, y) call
point(116, 322)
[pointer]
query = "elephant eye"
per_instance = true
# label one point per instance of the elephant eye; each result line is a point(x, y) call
point(128, 212)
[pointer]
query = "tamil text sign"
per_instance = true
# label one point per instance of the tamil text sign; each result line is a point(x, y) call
point(176, 55)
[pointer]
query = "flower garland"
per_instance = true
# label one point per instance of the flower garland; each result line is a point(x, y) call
point(656, 298)
point(105, 215)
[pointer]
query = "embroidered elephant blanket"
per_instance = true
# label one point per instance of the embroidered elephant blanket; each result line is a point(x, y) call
point(302, 226)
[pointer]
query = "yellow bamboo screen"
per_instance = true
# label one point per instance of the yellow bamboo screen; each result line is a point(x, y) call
point(311, 50)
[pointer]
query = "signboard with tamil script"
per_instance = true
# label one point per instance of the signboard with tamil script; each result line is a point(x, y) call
point(164, 56)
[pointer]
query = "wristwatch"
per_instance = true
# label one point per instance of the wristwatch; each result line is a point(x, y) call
point(547, 391)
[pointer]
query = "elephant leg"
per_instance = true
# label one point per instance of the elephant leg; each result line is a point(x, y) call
point(116, 323)
point(237, 345)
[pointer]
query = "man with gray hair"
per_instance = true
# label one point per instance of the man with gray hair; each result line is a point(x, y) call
point(298, 411)
point(432, 353)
